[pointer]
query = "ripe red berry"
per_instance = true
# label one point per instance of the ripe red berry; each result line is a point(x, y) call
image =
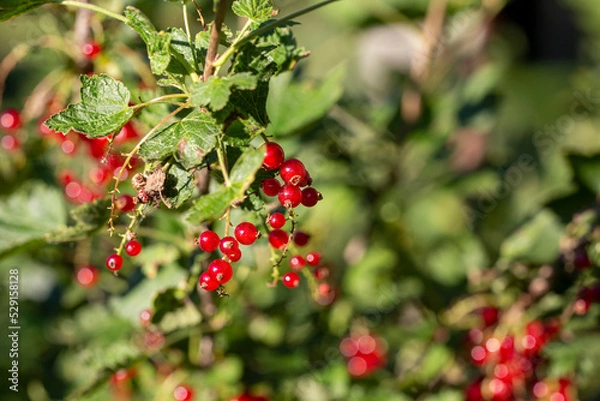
point(321, 273)
point(292, 171)
point(290, 195)
point(133, 248)
point(489, 315)
point(125, 203)
point(291, 279)
point(234, 255)
point(90, 50)
point(228, 244)
point(10, 142)
point(208, 282)
point(246, 233)
point(310, 197)
point(220, 271)
point(10, 119)
point(301, 238)
point(209, 241)
point(313, 258)
point(306, 181)
point(114, 262)
point(145, 317)
point(277, 220)
point(183, 393)
point(87, 276)
point(274, 155)
point(297, 262)
point(278, 239)
point(271, 186)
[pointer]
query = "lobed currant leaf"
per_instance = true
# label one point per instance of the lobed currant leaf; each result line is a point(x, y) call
point(215, 92)
point(256, 10)
point(158, 44)
point(12, 8)
point(104, 108)
point(212, 206)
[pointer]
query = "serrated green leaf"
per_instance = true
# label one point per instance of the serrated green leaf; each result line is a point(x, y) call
point(292, 106)
point(245, 168)
point(104, 108)
point(157, 43)
point(179, 185)
point(215, 92)
point(183, 51)
point(12, 8)
point(212, 206)
point(28, 215)
point(188, 139)
point(88, 217)
point(256, 10)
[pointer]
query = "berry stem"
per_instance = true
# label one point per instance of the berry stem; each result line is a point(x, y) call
point(96, 9)
point(215, 36)
point(186, 23)
point(223, 163)
point(161, 99)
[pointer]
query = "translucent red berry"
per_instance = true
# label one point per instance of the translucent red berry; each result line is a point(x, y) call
point(291, 279)
point(208, 282)
point(292, 171)
point(306, 181)
point(114, 262)
point(310, 197)
point(290, 195)
point(301, 238)
point(271, 186)
point(489, 315)
point(313, 258)
point(274, 155)
point(234, 255)
point(220, 271)
point(87, 276)
point(209, 241)
point(278, 239)
point(246, 233)
point(277, 220)
point(10, 142)
point(90, 50)
point(228, 244)
point(297, 262)
point(133, 248)
point(125, 203)
point(10, 119)
point(183, 393)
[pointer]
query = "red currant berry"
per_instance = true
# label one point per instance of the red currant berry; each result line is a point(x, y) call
point(125, 203)
point(277, 220)
point(114, 262)
point(291, 280)
point(301, 238)
point(321, 273)
point(128, 132)
point(290, 196)
point(310, 197)
point(10, 119)
point(274, 155)
point(10, 142)
point(234, 255)
point(278, 239)
point(87, 276)
point(133, 248)
point(246, 233)
point(208, 282)
point(297, 262)
point(183, 393)
point(209, 241)
point(292, 171)
point(489, 315)
point(271, 186)
point(90, 50)
point(313, 258)
point(220, 271)
point(145, 317)
point(306, 181)
point(228, 244)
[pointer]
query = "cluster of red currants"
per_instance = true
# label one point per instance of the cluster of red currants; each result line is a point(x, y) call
point(364, 354)
point(509, 362)
point(115, 261)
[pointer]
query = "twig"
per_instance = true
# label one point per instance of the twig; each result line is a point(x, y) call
point(215, 35)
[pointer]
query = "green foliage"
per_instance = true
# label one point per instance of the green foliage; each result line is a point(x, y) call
point(157, 43)
point(12, 8)
point(104, 108)
point(256, 10)
point(215, 91)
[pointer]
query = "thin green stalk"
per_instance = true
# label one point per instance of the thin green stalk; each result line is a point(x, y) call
point(265, 28)
point(94, 8)
point(188, 32)
point(222, 163)
point(160, 99)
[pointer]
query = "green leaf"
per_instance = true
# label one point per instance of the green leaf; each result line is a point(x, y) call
point(256, 10)
point(12, 8)
point(292, 106)
point(188, 139)
point(28, 215)
point(88, 217)
point(182, 51)
point(157, 43)
point(179, 185)
point(104, 108)
point(212, 206)
point(245, 168)
point(215, 92)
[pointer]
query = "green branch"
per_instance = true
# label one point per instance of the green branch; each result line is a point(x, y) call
point(94, 8)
